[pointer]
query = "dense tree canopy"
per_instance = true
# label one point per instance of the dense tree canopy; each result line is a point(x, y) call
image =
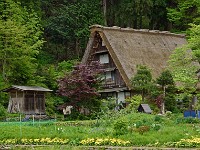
point(165, 80)
point(39, 40)
point(20, 41)
point(142, 80)
point(194, 42)
point(67, 26)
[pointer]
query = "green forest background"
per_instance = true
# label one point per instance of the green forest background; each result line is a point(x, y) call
point(41, 40)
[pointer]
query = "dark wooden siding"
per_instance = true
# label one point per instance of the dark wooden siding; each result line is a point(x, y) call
point(29, 102)
point(99, 49)
point(34, 103)
point(40, 103)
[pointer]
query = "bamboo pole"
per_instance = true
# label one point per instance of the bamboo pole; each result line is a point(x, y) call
point(20, 128)
point(33, 120)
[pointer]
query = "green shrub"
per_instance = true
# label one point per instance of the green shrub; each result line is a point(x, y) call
point(156, 127)
point(156, 110)
point(3, 112)
point(138, 124)
point(108, 104)
point(134, 102)
point(191, 120)
point(158, 118)
point(168, 114)
point(120, 127)
point(143, 129)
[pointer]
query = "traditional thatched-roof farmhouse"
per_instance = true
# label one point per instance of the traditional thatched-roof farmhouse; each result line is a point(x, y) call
point(26, 99)
point(120, 50)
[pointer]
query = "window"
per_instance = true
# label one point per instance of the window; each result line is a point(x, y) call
point(127, 94)
point(103, 44)
point(104, 58)
point(109, 76)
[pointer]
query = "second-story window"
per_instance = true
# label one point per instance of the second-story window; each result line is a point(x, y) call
point(109, 76)
point(104, 58)
point(102, 43)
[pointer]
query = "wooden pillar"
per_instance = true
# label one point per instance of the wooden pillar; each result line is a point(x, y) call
point(34, 100)
point(23, 103)
point(43, 103)
point(10, 103)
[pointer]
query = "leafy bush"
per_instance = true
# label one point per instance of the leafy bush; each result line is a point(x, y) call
point(3, 112)
point(134, 102)
point(120, 127)
point(158, 118)
point(143, 129)
point(138, 124)
point(191, 120)
point(108, 104)
point(168, 114)
point(156, 127)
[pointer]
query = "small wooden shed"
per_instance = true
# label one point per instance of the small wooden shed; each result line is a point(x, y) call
point(26, 99)
point(144, 108)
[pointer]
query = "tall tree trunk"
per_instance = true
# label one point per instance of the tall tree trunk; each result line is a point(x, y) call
point(105, 11)
point(163, 101)
point(134, 16)
point(112, 13)
point(140, 14)
point(142, 95)
point(77, 48)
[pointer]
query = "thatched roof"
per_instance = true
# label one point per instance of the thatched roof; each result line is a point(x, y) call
point(26, 88)
point(130, 47)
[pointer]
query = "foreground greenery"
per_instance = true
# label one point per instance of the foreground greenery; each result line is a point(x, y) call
point(40, 41)
point(122, 128)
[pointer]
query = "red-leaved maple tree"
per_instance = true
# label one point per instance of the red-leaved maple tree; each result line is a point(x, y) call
point(82, 84)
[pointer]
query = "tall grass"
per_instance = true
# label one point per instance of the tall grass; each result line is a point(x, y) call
point(141, 129)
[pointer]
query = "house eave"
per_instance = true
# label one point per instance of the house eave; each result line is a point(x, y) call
point(113, 90)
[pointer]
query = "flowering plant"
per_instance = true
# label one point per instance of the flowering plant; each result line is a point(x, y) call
point(104, 141)
point(45, 141)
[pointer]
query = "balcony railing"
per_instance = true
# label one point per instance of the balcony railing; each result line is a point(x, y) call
point(108, 65)
point(112, 85)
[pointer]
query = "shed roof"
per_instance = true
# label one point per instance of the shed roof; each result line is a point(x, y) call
point(26, 88)
point(146, 108)
point(131, 47)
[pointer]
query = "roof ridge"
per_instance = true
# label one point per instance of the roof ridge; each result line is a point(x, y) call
point(137, 30)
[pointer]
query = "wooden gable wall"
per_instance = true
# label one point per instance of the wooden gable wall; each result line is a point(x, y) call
point(99, 49)
point(27, 102)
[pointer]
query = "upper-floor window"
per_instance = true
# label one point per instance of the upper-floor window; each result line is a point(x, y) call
point(104, 58)
point(102, 43)
point(109, 76)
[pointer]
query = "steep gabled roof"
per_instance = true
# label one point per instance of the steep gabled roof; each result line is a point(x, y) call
point(145, 108)
point(130, 47)
point(26, 88)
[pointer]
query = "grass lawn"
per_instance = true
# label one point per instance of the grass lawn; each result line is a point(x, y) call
point(114, 129)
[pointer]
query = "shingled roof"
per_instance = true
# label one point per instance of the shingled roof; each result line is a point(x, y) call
point(27, 88)
point(144, 108)
point(130, 47)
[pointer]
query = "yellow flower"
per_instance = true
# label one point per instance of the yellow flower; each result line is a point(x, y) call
point(36, 140)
